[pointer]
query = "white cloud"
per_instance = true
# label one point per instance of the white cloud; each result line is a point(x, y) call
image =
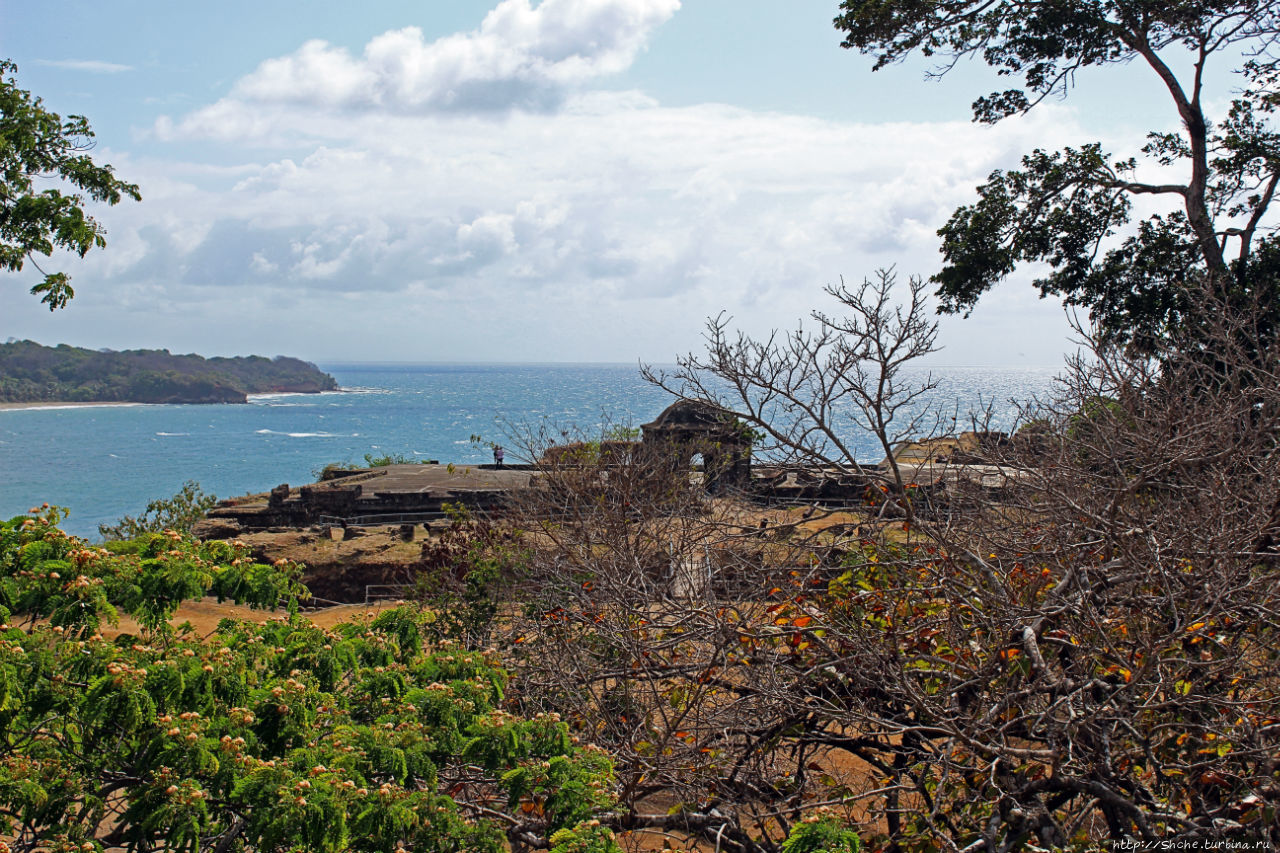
point(316, 73)
point(521, 57)
point(607, 230)
point(387, 198)
point(489, 237)
point(92, 66)
point(260, 264)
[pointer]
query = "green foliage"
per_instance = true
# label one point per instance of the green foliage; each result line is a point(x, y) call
point(463, 571)
point(330, 470)
point(1137, 288)
point(177, 513)
point(45, 574)
point(1095, 411)
point(38, 144)
point(31, 372)
point(587, 837)
point(1071, 209)
point(373, 461)
point(620, 432)
point(279, 736)
point(821, 834)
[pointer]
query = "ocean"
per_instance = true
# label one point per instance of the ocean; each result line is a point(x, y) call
point(102, 462)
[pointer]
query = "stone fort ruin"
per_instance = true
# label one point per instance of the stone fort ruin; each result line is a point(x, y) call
point(685, 433)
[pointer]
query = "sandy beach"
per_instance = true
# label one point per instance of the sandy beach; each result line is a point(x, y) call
point(4, 407)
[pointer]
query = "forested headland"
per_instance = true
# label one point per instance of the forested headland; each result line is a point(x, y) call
point(30, 372)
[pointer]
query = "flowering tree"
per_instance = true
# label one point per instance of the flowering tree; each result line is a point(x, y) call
point(272, 737)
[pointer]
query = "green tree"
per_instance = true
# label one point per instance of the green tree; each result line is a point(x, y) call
point(1072, 208)
point(820, 833)
point(178, 513)
point(272, 737)
point(36, 144)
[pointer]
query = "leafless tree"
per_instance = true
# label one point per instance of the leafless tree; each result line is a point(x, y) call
point(631, 630)
point(1089, 656)
point(1092, 657)
point(810, 393)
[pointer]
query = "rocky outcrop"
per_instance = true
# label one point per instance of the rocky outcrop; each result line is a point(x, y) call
point(216, 528)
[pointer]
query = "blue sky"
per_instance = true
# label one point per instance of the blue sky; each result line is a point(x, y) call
point(506, 180)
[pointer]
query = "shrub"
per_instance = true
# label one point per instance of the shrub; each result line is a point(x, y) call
point(179, 513)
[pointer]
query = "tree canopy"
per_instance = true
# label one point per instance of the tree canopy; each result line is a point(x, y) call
point(277, 736)
point(1072, 209)
point(37, 145)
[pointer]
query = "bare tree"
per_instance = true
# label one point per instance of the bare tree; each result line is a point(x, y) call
point(1094, 656)
point(1090, 656)
point(809, 393)
point(639, 626)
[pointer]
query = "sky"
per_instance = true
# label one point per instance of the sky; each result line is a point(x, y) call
point(511, 180)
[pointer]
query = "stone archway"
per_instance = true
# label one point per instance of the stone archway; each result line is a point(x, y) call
point(690, 427)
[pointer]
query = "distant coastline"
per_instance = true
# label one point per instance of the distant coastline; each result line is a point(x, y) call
point(56, 404)
point(6, 406)
point(32, 374)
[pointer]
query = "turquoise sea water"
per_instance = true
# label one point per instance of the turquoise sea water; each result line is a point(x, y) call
point(105, 461)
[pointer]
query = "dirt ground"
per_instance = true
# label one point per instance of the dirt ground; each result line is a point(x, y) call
point(205, 614)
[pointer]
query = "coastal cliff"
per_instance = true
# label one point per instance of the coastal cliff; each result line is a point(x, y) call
point(32, 373)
